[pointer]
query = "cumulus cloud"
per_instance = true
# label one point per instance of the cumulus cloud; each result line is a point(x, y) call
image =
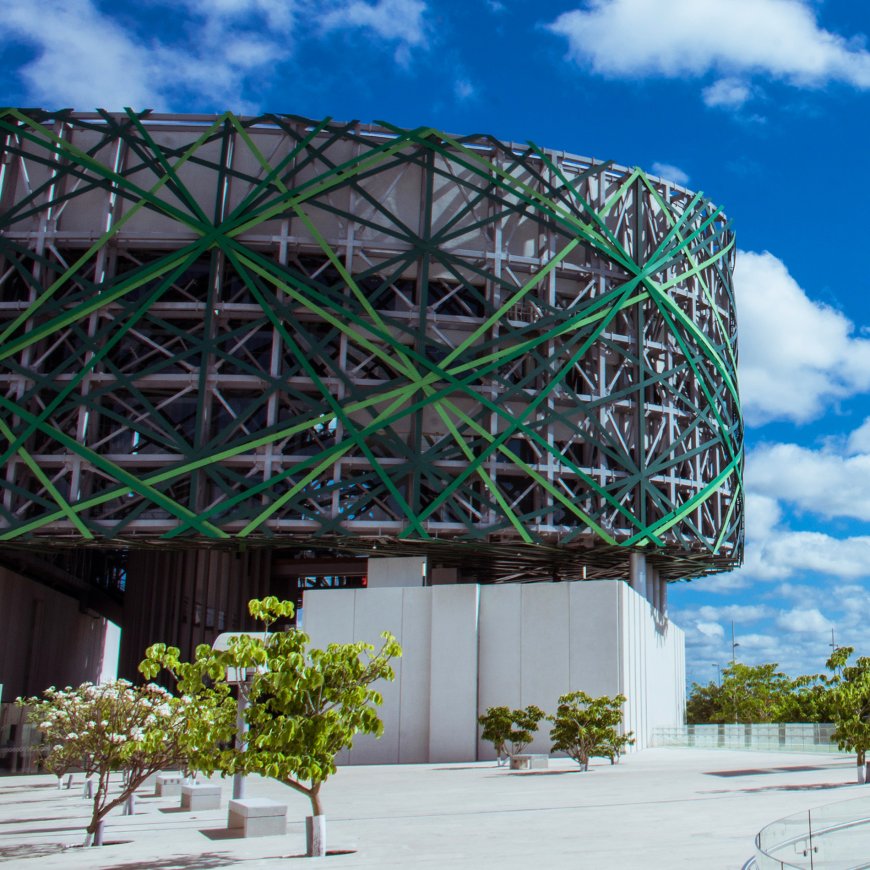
point(711, 629)
point(816, 358)
point(803, 621)
point(671, 173)
point(400, 21)
point(824, 482)
point(727, 93)
point(859, 439)
point(679, 38)
point(83, 58)
point(86, 57)
point(735, 612)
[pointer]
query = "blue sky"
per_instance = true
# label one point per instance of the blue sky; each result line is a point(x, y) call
point(762, 104)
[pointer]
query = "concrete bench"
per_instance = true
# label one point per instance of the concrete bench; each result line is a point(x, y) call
point(257, 817)
point(169, 784)
point(530, 761)
point(200, 796)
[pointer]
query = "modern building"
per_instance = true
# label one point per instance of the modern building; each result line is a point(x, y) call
point(248, 355)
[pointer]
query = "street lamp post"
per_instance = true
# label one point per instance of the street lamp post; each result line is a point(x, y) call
point(734, 645)
point(240, 678)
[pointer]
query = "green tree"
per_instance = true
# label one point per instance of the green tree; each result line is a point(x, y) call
point(584, 726)
point(703, 703)
point(749, 693)
point(850, 700)
point(810, 700)
point(304, 704)
point(510, 731)
point(110, 727)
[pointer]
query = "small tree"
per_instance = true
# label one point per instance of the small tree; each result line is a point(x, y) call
point(850, 704)
point(510, 731)
point(585, 726)
point(305, 704)
point(110, 727)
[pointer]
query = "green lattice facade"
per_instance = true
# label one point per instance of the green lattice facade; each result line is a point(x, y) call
point(226, 331)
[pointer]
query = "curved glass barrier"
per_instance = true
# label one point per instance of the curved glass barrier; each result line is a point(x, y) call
point(832, 837)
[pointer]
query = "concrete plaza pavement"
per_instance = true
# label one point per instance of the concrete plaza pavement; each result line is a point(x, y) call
point(660, 808)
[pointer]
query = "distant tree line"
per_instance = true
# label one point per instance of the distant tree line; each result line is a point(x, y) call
point(761, 693)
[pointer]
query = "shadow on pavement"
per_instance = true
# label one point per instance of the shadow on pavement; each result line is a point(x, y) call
point(203, 861)
point(27, 850)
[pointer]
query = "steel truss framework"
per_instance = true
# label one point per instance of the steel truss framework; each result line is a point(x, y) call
point(273, 329)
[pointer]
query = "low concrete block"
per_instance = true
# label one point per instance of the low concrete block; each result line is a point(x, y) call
point(200, 796)
point(257, 817)
point(530, 761)
point(168, 784)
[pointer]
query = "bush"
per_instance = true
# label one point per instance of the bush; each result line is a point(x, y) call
point(585, 726)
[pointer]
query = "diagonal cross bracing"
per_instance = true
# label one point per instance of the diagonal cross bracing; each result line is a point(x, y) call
point(277, 329)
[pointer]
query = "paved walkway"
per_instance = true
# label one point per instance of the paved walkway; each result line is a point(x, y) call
point(661, 808)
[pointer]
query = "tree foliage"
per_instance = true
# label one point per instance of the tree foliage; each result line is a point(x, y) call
point(850, 700)
point(510, 731)
point(759, 693)
point(110, 727)
point(584, 726)
point(304, 704)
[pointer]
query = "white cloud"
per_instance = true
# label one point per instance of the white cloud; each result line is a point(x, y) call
point(735, 612)
point(399, 21)
point(710, 629)
point(86, 58)
point(680, 38)
point(803, 621)
point(727, 93)
point(671, 173)
point(859, 439)
point(464, 90)
point(815, 359)
point(823, 482)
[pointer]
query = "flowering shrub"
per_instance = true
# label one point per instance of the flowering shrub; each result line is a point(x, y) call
point(110, 727)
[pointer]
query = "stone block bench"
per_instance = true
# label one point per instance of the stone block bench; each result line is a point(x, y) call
point(168, 784)
point(257, 817)
point(530, 761)
point(200, 796)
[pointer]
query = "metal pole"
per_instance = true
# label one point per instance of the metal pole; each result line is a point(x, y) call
point(734, 646)
point(241, 732)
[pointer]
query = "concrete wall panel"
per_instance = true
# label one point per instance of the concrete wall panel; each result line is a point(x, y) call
point(593, 663)
point(416, 640)
point(500, 654)
point(467, 648)
point(377, 611)
point(453, 693)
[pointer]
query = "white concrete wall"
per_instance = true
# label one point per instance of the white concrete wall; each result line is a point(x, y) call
point(466, 648)
point(392, 571)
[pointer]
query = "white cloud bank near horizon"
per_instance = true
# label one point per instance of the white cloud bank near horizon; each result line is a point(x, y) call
point(733, 40)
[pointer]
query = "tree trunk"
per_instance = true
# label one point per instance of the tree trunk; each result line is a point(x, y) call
point(315, 826)
point(315, 836)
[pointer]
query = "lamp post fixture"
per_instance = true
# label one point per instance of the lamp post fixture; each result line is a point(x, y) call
point(240, 678)
point(734, 645)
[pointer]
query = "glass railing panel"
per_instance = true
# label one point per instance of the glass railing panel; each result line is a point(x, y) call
point(832, 837)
